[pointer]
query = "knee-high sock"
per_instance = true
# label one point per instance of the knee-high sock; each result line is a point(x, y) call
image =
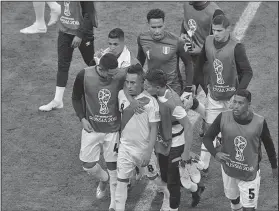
point(121, 195)
point(112, 185)
point(39, 8)
point(59, 93)
point(97, 172)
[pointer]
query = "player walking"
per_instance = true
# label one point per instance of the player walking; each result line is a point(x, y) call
point(138, 134)
point(242, 131)
point(228, 70)
point(75, 30)
point(100, 118)
point(175, 139)
point(162, 49)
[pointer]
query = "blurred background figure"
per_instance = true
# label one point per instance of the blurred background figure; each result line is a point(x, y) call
point(39, 26)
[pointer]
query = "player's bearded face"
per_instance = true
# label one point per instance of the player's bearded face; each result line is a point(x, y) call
point(116, 46)
point(156, 27)
point(220, 33)
point(240, 106)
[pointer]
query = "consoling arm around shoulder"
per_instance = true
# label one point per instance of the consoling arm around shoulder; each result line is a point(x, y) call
point(211, 133)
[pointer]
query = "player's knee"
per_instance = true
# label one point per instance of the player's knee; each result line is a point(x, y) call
point(111, 166)
point(91, 168)
point(235, 201)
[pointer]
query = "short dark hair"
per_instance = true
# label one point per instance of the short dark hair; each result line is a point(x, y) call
point(116, 33)
point(155, 14)
point(156, 77)
point(221, 20)
point(244, 93)
point(109, 61)
point(136, 69)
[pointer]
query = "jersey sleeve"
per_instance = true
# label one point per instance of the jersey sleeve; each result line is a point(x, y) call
point(153, 111)
point(179, 112)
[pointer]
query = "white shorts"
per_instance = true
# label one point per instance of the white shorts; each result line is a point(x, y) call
point(213, 108)
point(127, 161)
point(91, 146)
point(247, 190)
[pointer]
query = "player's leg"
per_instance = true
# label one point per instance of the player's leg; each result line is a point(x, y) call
point(162, 181)
point(86, 49)
point(110, 156)
point(125, 170)
point(65, 53)
point(55, 11)
point(249, 193)
point(151, 170)
point(231, 191)
point(39, 26)
point(90, 154)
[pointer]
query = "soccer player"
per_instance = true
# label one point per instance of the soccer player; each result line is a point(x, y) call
point(138, 134)
point(75, 30)
point(39, 26)
point(162, 49)
point(243, 131)
point(175, 139)
point(228, 69)
point(117, 46)
point(196, 26)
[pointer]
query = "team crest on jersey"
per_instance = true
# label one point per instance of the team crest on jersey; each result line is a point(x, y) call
point(104, 97)
point(166, 49)
point(67, 11)
point(240, 143)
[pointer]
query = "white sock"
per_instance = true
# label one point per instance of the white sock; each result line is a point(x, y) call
point(236, 207)
point(112, 185)
point(97, 172)
point(53, 5)
point(205, 156)
point(120, 196)
point(194, 187)
point(39, 8)
point(59, 93)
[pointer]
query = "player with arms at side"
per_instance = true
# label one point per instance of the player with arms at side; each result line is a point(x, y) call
point(228, 70)
point(75, 27)
point(174, 141)
point(162, 49)
point(243, 131)
point(100, 117)
point(138, 134)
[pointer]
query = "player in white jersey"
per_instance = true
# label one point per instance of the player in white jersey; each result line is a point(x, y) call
point(138, 134)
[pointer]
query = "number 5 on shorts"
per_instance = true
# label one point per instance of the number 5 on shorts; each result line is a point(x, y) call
point(251, 193)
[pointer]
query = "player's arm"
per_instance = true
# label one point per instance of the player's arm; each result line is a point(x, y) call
point(269, 147)
point(198, 71)
point(244, 70)
point(88, 13)
point(186, 59)
point(141, 56)
point(210, 135)
point(78, 95)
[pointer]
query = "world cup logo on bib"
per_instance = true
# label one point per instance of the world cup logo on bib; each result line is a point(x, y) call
point(67, 8)
point(218, 67)
point(104, 97)
point(240, 143)
point(192, 27)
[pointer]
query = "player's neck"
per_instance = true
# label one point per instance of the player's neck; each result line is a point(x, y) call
point(201, 5)
point(245, 116)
